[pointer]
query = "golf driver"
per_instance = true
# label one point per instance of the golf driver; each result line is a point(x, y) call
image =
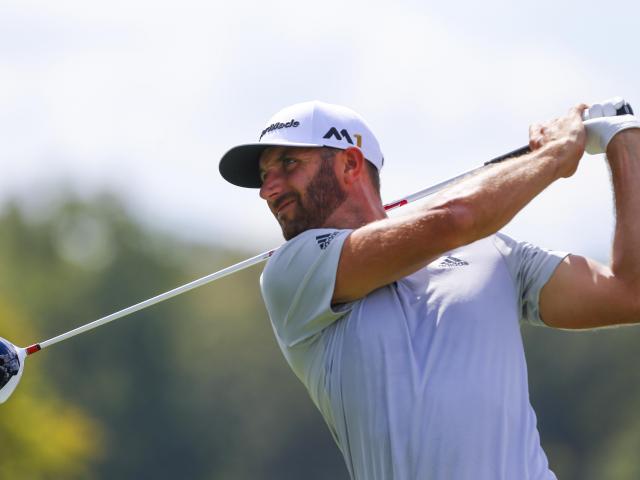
point(11, 368)
point(12, 358)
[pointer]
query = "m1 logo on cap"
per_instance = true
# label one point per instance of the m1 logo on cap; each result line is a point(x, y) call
point(343, 134)
point(278, 126)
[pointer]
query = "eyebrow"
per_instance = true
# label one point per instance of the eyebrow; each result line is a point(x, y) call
point(281, 158)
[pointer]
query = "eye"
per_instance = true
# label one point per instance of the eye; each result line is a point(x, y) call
point(288, 161)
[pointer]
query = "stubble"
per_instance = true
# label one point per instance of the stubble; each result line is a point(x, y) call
point(322, 198)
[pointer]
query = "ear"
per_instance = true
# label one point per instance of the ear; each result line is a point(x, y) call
point(352, 165)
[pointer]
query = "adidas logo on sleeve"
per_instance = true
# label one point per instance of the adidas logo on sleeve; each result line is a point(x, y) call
point(325, 240)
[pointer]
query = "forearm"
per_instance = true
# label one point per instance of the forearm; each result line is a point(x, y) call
point(584, 294)
point(493, 197)
point(389, 249)
point(624, 160)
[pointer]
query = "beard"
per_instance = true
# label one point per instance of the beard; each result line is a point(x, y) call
point(323, 197)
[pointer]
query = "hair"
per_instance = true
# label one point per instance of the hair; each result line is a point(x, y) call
point(374, 174)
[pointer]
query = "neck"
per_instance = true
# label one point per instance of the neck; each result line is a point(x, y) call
point(357, 210)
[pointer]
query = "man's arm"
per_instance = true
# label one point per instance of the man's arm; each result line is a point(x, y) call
point(584, 294)
point(386, 250)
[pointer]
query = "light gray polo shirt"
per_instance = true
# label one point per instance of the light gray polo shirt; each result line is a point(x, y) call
point(425, 378)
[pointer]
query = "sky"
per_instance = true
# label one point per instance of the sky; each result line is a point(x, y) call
point(142, 99)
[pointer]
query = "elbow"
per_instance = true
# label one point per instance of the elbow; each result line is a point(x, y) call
point(624, 309)
point(626, 279)
point(635, 305)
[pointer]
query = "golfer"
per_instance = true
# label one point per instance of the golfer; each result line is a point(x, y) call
point(406, 330)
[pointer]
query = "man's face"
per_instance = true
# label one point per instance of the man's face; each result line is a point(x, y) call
point(300, 187)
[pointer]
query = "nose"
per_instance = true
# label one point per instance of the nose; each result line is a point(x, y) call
point(271, 186)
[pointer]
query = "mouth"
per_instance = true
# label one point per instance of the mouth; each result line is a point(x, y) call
point(282, 204)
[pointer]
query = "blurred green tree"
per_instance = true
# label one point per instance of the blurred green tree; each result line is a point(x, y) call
point(196, 387)
point(42, 435)
point(191, 388)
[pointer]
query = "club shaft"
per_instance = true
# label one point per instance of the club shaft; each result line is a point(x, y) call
point(248, 262)
point(152, 301)
point(442, 185)
point(624, 109)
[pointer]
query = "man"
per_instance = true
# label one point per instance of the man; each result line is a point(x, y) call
point(405, 330)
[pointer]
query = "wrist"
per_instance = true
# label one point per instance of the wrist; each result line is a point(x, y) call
point(627, 141)
point(560, 157)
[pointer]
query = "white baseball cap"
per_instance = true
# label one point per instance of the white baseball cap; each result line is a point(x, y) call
point(308, 124)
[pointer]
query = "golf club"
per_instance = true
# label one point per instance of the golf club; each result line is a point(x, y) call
point(12, 358)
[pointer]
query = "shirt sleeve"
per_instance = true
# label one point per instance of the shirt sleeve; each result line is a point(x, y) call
point(298, 282)
point(531, 267)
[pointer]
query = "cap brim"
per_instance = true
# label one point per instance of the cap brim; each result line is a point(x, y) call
point(240, 165)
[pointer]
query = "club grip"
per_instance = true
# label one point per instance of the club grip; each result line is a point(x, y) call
point(625, 109)
point(514, 153)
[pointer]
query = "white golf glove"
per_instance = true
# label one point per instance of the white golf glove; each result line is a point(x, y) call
point(602, 124)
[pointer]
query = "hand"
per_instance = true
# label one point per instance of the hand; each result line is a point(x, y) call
point(564, 137)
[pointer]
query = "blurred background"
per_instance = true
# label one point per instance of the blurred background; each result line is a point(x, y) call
point(112, 119)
